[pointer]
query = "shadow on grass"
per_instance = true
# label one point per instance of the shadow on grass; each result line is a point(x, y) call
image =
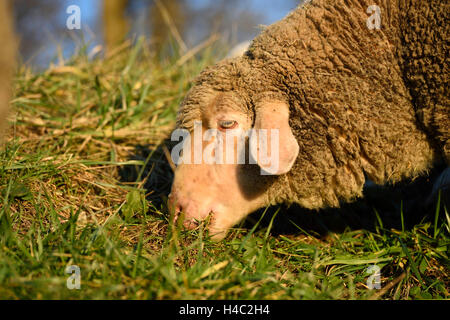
point(156, 172)
point(413, 198)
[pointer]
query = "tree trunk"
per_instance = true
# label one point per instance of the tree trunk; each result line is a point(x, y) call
point(115, 25)
point(7, 60)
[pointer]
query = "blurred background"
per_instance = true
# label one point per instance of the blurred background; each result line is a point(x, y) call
point(184, 24)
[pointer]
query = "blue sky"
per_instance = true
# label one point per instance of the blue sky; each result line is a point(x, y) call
point(272, 9)
point(269, 11)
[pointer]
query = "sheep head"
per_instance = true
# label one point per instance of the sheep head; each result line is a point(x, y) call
point(234, 147)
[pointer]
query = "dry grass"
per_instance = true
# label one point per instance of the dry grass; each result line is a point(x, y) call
point(83, 179)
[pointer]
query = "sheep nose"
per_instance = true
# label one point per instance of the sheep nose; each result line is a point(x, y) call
point(173, 205)
point(176, 208)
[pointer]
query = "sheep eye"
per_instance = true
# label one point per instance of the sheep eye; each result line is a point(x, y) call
point(227, 124)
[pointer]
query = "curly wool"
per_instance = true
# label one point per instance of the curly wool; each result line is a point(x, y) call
point(363, 103)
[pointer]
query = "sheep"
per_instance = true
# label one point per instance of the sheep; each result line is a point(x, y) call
point(352, 100)
point(7, 53)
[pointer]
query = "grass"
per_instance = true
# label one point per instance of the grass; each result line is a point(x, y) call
point(83, 181)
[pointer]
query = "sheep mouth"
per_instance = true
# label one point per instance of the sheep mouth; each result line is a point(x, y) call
point(191, 223)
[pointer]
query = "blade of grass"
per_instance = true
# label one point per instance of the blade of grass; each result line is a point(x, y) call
point(436, 215)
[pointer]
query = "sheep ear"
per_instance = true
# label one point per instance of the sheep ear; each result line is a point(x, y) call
point(272, 144)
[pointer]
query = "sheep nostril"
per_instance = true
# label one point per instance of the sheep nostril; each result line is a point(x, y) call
point(190, 224)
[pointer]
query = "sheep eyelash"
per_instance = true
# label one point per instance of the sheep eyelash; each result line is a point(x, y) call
point(227, 124)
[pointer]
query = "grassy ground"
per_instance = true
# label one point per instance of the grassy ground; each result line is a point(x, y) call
point(83, 181)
